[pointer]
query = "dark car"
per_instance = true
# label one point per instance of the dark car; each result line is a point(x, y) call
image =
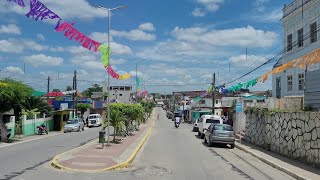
point(220, 133)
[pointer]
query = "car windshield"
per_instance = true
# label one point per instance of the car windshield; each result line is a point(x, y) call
point(223, 127)
point(73, 121)
point(92, 117)
point(214, 121)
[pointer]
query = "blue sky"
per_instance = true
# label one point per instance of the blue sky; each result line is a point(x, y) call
point(183, 42)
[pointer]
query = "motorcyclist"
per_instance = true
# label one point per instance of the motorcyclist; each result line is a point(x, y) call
point(177, 120)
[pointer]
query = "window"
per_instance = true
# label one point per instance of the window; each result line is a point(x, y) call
point(313, 33)
point(300, 37)
point(202, 101)
point(301, 81)
point(215, 121)
point(289, 81)
point(289, 42)
point(217, 101)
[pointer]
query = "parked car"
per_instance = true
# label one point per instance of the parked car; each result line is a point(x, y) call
point(94, 120)
point(205, 121)
point(76, 124)
point(196, 126)
point(219, 133)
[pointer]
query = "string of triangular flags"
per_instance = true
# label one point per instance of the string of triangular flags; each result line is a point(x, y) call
point(38, 11)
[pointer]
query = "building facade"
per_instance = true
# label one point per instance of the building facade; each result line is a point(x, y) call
point(300, 36)
point(120, 94)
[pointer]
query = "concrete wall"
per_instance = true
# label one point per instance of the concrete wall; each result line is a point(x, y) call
point(295, 135)
point(29, 126)
point(239, 122)
point(291, 103)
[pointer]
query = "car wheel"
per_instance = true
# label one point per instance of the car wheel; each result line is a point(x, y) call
point(205, 140)
point(199, 134)
point(232, 146)
point(64, 131)
point(83, 128)
point(202, 136)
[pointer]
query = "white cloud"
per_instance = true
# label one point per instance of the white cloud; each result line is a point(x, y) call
point(239, 37)
point(10, 29)
point(66, 9)
point(198, 12)
point(273, 16)
point(77, 50)
point(57, 49)
point(15, 70)
point(19, 45)
point(29, 44)
point(211, 5)
point(118, 61)
point(42, 60)
point(41, 37)
point(116, 48)
point(134, 35)
point(138, 34)
point(10, 46)
point(246, 61)
point(147, 27)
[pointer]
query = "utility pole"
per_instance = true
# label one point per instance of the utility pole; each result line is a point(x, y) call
point(48, 89)
point(75, 93)
point(136, 82)
point(213, 91)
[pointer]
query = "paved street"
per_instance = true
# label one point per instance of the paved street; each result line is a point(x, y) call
point(23, 157)
point(170, 153)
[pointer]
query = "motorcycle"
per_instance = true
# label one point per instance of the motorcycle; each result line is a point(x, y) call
point(176, 124)
point(42, 129)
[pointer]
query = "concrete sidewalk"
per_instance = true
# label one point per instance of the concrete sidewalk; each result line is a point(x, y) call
point(92, 158)
point(23, 139)
point(293, 168)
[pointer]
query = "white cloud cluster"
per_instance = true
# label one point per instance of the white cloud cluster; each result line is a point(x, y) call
point(238, 37)
point(10, 29)
point(14, 70)
point(116, 48)
point(42, 60)
point(19, 45)
point(246, 61)
point(208, 5)
point(41, 37)
point(138, 34)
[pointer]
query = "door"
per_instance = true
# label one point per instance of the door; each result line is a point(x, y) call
point(278, 87)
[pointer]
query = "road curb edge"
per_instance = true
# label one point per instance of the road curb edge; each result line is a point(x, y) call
point(272, 164)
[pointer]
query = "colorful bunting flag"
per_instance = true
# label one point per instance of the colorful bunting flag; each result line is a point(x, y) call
point(19, 2)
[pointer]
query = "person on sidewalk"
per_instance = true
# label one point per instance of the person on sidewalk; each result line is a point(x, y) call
point(158, 117)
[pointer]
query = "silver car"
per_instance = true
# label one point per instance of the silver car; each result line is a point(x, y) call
point(76, 124)
point(220, 133)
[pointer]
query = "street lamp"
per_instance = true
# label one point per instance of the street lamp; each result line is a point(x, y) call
point(108, 104)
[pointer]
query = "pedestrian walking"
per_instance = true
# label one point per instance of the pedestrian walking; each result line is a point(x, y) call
point(158, 117)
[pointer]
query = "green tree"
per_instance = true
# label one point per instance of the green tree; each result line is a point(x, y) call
point(56, 90)
point(12, 95)
point(116, 119)
point(95, 88)
point(37, 103)
point(83, 108)
point(68, 88)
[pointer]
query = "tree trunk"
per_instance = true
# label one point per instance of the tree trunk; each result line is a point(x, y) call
point(3, 129)
point(114, 134)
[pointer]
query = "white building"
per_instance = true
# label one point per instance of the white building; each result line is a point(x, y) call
point(300, 29)
point(120, 94)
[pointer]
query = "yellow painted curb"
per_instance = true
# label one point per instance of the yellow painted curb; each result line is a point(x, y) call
point(119, 166)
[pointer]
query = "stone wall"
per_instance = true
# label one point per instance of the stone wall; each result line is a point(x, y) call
point(292, 134)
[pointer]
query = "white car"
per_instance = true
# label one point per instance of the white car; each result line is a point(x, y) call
point(94, 120)
point(205, 121)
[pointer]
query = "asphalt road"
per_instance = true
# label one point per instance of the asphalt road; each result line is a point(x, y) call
point(19, 158)
point(172, 153)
